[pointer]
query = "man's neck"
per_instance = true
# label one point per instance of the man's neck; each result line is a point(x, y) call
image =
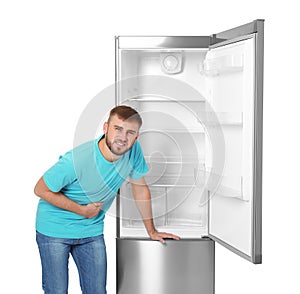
point(105, 151)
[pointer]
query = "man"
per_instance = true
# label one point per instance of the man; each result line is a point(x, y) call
point(75, 194)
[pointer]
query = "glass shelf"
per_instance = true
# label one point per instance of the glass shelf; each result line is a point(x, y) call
point(199, 130)
point(170, 181)
point(182, 231)
point(184, 222)
point(184, 159)
point(172, 223)
point(222, 118)
point(144, 98)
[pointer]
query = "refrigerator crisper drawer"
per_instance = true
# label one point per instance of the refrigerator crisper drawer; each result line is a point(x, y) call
point(176, 267)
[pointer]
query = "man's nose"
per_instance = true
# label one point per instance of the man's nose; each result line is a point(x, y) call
point(123, 136)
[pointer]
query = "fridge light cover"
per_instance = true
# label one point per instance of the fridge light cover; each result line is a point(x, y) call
point(171, 62)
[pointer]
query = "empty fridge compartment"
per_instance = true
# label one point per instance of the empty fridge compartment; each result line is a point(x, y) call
point(168, 115)
point(168, 145)
point(172, 171)
point(130, 215)
point(187, 207)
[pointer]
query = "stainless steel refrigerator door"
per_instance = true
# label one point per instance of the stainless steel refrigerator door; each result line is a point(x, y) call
point(176, 267)
point(235, 221)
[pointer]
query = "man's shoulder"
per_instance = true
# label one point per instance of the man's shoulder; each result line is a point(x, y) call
point(83, 151)
point(86, 146)
point(136, 150)
point(137, 146)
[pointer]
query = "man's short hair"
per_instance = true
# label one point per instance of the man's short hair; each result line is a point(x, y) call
point(125, 112)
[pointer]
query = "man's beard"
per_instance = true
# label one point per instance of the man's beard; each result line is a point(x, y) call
point(114, 149)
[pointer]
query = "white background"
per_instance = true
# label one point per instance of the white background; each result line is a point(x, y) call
point(55, 56)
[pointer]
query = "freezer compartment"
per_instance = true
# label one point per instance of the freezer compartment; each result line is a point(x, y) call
point(182, 65)
point(176, 267)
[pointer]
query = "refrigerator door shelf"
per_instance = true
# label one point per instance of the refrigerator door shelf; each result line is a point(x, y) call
point(225, 64)
point(221, 185)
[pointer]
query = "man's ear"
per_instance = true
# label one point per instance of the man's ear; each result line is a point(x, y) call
point(137, 136)
point(105, 127)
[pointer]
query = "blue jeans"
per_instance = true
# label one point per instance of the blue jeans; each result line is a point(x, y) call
point(89, 255)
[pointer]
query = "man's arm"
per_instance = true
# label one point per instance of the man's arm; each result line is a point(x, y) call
point(141, 194)
point(60, 200)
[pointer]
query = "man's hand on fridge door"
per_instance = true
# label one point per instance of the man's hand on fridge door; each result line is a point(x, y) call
point(160, 236)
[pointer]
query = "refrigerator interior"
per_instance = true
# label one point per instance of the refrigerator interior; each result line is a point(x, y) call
point(175, 138)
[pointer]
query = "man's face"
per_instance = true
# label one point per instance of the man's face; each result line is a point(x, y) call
point(120, 135)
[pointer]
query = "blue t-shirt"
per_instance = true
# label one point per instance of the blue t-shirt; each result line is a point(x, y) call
point(85, 176)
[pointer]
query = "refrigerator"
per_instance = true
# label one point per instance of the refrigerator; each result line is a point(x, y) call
point(201, 101)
